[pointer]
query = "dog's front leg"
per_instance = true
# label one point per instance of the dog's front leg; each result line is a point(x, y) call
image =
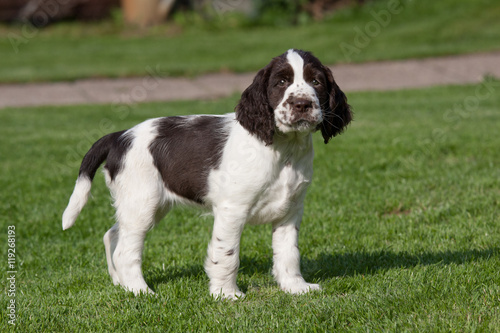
point(223, 261)
point(286, 257)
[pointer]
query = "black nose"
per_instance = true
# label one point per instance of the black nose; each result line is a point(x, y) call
point(302, 104)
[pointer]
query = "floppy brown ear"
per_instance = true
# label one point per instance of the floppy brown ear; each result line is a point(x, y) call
point(253, 110)
point(338, 113)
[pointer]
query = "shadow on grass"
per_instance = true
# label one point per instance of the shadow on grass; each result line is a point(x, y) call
point(248, 265)
point(155, 275)
point(328, 265)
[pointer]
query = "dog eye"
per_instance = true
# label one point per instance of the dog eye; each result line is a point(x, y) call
point(282, 82)
point(315, 82)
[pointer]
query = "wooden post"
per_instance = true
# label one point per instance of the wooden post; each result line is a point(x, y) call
point(146, 12)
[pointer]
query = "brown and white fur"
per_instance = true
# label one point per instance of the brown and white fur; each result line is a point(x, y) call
point(249, 167)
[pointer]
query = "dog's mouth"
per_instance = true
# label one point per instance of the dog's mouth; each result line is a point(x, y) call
point(299, 122)
point(302, 125)
point(305, 123)
point(299, 126)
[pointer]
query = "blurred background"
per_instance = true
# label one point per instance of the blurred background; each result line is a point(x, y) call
point(149, 12)
point(61, 40)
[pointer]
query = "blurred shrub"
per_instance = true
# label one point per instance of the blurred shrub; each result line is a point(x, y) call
point(280, 12)
point(249, 13)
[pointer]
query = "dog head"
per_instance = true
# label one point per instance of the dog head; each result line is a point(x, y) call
point(293, 93)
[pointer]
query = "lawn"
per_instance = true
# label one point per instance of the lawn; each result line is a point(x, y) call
point(380, 30)
point(400, 227)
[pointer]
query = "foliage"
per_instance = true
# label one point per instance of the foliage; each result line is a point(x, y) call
point(280, 12)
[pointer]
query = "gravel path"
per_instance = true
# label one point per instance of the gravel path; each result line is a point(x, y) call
point(387, 75)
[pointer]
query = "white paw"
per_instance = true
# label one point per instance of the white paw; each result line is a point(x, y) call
point(301, 288)
point(116, 280)
point(143, 290)
point(231, 294)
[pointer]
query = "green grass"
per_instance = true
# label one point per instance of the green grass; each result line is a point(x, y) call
point(421, 28)
point(400, 227)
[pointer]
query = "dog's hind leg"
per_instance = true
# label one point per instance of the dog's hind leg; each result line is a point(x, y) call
point(139, 207)
point(110, 240)
point(134, 222)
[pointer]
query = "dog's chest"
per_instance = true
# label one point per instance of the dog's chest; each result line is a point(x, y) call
point(283, 195)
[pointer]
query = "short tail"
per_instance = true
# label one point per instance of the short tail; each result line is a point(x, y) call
point(76, 202)
point(91, 162)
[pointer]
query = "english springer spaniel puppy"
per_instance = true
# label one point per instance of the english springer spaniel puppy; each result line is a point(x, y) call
point(249, 167)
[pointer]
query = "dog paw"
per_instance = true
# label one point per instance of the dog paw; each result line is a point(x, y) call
point(301, 288)
point(222, 294)
point(140, 290)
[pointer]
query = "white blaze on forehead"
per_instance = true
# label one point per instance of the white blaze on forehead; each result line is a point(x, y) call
point(297, 63)
point(289, 119)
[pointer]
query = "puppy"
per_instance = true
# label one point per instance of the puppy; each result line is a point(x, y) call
point(249, 167)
